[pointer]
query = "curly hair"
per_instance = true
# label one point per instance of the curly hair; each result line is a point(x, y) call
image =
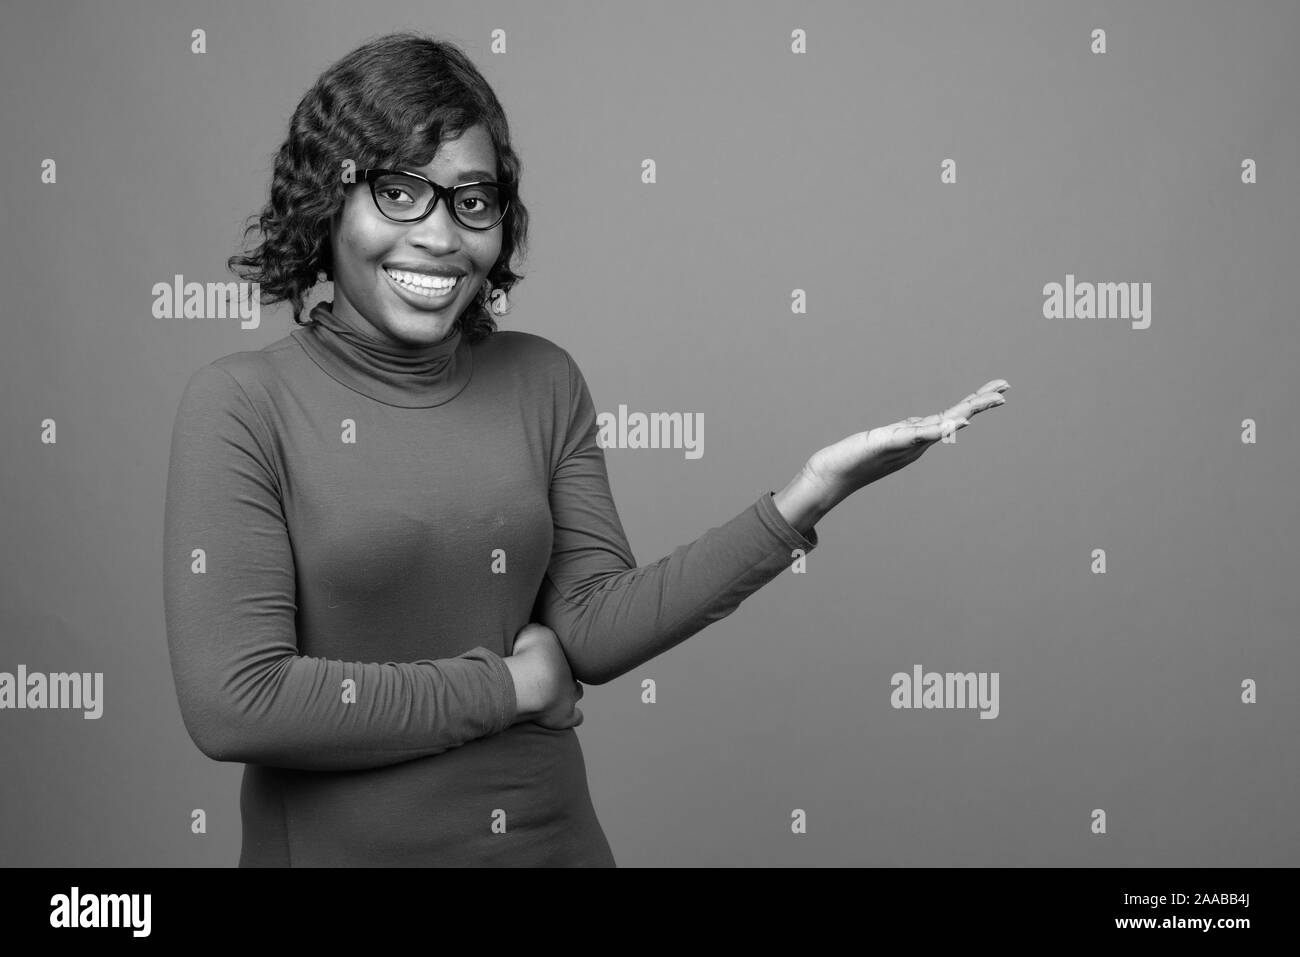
point(388, 103)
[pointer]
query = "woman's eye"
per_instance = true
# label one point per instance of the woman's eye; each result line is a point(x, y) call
point(393, 194)
point(472, 199)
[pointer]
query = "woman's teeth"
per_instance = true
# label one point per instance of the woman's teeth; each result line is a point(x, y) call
point(422, 284)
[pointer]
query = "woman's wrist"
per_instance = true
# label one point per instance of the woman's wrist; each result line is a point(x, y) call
point(527, 705)
point(805, 500)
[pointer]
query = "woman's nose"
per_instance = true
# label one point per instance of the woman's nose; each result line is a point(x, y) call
point(438, 230)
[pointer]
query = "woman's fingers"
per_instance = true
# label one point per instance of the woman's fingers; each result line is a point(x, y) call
point(989, 397)
point(907, 435)
point(980, 403)
point(997, 385)
point(920, 430)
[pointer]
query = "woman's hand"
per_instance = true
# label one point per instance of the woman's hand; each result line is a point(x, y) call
point(544, 685)
point(866, 457)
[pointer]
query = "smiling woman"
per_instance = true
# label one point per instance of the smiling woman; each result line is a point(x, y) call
point(409, 253)
point(417, 128)
point(391, 552)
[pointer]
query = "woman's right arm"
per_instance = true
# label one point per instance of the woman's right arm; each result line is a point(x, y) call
point(245, 692)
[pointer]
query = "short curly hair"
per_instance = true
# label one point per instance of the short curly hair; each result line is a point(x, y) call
point(389, 103)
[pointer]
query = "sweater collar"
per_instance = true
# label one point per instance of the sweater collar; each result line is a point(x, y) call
point(411, 377)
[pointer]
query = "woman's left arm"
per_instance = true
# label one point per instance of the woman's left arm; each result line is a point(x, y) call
point(611, 615)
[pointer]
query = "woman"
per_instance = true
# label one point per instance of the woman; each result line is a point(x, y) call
point(391, 550)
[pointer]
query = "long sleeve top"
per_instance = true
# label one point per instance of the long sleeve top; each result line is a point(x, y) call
point(354, 533)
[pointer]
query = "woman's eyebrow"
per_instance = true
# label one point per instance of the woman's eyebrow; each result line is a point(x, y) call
point(464, 176)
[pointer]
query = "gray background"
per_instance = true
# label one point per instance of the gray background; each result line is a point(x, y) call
point(776, 171)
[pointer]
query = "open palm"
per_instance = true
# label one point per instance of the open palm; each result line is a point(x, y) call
point(866, 457)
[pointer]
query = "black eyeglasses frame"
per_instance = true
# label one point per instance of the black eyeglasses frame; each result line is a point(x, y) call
point(371, 174)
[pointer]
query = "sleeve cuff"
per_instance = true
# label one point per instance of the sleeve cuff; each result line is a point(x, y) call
point(776, 522)
point(507, 703)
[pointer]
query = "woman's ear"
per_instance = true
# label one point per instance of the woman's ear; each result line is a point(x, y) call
point(325, 258)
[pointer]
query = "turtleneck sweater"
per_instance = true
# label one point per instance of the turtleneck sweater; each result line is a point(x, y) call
point(355, 530)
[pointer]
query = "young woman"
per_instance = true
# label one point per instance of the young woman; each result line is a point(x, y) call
point(391, 552)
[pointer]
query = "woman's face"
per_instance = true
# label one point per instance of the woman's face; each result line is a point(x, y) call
point(366, 245)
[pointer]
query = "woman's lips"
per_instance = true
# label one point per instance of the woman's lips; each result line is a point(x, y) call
point(422, 296)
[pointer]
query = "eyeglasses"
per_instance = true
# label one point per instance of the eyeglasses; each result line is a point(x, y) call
point(406, 197)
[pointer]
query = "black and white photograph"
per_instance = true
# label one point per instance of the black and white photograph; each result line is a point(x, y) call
point(698, 435)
